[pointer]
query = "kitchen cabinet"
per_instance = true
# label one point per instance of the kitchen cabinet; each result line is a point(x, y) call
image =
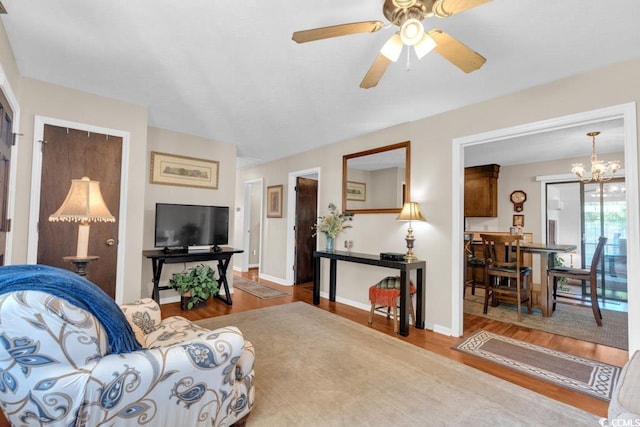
point(481, 191)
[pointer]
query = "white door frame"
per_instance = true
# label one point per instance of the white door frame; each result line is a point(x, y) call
point(246, 218)
point(5, 87)
point(625, 111)
point(291, 217)
point(36, 175)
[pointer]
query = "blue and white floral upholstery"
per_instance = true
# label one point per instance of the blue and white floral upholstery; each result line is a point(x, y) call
point(55, 370)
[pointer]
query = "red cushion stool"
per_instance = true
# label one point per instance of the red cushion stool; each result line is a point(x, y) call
point(385, 293)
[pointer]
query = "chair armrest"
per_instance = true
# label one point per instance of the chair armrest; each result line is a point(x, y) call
point(211, 376)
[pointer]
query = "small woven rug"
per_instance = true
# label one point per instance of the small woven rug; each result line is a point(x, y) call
point(257, 289)
point(587, 376)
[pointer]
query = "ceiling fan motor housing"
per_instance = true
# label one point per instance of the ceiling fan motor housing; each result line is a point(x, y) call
point(398, 11)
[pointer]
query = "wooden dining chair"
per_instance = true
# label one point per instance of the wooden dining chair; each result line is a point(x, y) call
point(505, 276)
point(473, 264)
point(584, 275)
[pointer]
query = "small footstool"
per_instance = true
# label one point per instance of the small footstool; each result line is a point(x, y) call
point(385, 293)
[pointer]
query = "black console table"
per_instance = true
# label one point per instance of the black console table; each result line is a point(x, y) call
point(160, 258)
point(404, 267)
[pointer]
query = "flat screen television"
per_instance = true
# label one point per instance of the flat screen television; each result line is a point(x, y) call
point(183, 226)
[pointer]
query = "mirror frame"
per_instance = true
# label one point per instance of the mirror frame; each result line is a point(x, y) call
point(407, 178)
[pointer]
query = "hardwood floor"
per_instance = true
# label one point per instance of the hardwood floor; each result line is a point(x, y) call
point(435, 342)
point(428, 340)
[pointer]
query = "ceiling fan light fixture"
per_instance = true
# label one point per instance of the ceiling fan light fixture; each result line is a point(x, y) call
point(404, 4)
point(411, 32)
point(392, 48)
point(424, 46)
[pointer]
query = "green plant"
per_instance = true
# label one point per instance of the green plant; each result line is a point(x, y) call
point(333, 223)
point(562, 281)
point(198, 283)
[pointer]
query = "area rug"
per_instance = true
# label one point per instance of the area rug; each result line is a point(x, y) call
point(586, 376)
point(567, 320)
point(315, 368)
point(257, 289)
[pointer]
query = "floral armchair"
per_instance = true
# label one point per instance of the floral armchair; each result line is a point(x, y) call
point(55, 370)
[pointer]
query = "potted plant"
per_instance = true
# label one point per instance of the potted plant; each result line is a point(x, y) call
point(332, 224)
point(195, 285)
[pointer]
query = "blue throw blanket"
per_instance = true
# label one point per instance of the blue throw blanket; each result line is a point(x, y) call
point(77, 291)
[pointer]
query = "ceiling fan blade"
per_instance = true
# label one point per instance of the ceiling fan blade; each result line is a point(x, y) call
point(456, 52)
point(375, 72)
point(444, 8)
point(337, 31)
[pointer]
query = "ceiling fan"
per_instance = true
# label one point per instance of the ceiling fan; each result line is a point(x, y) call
point(408, 15)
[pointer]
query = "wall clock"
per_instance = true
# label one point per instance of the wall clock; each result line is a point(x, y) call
point(518, 198)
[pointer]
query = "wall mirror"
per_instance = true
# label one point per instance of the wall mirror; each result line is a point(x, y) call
point(376, 180)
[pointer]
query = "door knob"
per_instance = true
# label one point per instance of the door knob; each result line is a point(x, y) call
point(110, 242)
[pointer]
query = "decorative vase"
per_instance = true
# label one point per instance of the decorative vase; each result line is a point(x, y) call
point(330, 243)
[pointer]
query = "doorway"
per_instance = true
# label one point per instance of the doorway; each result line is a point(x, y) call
point(312, 174)
point(626, 112)
point(72, 154)
point(252, 228)
point(580, 213)
point(107, 177)
point(6, 144)
point(306, 217)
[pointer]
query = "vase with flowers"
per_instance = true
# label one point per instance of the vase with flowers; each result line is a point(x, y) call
point(332, 224)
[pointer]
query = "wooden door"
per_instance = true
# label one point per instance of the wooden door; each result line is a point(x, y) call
point(71, 154)
point(6, 141)
point(306, 216)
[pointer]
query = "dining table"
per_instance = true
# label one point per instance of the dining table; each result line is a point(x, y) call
point(547, 253)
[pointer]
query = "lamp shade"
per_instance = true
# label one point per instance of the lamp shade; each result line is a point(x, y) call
point(392, 48)
point(84, 203)
point(410, 212)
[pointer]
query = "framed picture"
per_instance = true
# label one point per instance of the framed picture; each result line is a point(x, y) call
point(356, 191)
point(173, 169)
point(274, 201)
point(518, 220)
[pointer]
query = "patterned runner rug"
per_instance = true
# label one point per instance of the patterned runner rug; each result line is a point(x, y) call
point(257, 289)
point(565, 370)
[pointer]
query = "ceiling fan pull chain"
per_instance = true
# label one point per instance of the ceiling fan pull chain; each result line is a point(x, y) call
point(408, 60)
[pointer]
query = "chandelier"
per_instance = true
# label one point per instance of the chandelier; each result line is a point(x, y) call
point(601, 171)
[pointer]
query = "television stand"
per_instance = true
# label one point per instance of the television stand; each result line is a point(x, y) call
point(159, 258)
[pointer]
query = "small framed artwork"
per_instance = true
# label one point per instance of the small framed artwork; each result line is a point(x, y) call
point(172, 169)
point(356, 191)
point(518, 220)
point(274, 201)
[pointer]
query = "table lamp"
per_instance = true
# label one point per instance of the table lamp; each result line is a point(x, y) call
point(410, 212)
point(84, 204)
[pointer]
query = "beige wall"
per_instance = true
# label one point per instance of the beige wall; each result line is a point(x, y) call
point(431, 147)
point(8, 67)
point(166, 141)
